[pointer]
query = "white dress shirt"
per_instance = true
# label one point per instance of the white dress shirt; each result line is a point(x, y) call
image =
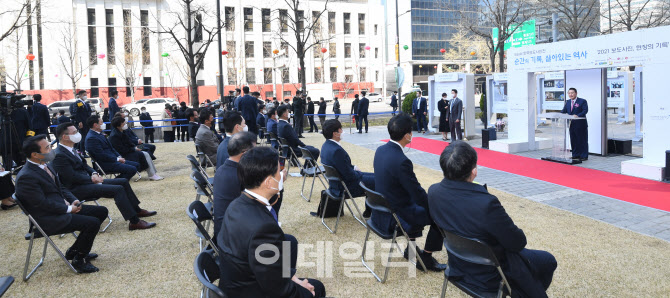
point(263, 200)
point(401, 148)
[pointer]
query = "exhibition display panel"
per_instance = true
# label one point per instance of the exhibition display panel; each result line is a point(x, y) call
point(464, 83)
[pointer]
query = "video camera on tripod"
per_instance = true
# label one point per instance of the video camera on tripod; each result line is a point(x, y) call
point(12, 101)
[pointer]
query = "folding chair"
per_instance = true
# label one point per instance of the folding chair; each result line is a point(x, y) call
point(207, 271)
point(272, 137)
point(377, 202)
point(268, 141)
point(5, 283)
point(199, 213)
point(477, 252)
point(32, 234)
point(96, 166)
point(195, 166)
point(203, 158)
point(312, 169)
point(202, 188)
point(291, 153)
point(331, 174)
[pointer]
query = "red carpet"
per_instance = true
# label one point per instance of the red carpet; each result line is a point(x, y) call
point(634, 190)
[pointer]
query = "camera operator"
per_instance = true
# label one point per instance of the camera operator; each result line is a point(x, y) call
point(40, 117)
point(15, 125)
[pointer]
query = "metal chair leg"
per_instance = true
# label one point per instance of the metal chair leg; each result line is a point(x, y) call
point(27, 276)
point(139, 176)
point(304, 178)
point(445, 283)
point(365, 245)
point(108, 217)
point(357, 210)
point(339, 212)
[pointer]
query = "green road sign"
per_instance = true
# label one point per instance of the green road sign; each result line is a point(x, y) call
point(524, 35)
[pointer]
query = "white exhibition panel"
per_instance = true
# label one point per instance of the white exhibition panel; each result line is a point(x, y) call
point(444, 83)
point(588, 83)
point(497, 90)
point(620, 94)
point(649, 48)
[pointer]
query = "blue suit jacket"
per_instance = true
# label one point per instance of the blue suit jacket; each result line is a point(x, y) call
point(363, 105)
point(422, 106)
point(395, 179)
point(249, 109)
point(581, 109)
point(222, 152)
point(41, 118)
point(100, 148)
point(113, 107)
point(467, 209)
point(335, 156)
point(227, 188)
point(80, 111)
point(286, 131)
point(272, 127)
point(394, 101)
point(63, 119)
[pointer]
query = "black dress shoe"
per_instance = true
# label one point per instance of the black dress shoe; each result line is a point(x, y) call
point(300, 137)
point(83, 265)
point(71, 253)
point(7, 207)
point(583, 159)
point(310, 131)
point(367, 213)
point(360, 132)
point(430, 262)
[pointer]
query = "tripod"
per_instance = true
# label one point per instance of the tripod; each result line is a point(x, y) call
point(12, 157)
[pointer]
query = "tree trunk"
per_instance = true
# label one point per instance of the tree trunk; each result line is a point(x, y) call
point(501, 58)
point(303, 77)
point(493, 61)
point(194, 89)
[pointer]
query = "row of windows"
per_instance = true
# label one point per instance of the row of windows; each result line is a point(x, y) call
point(130, 46)
point(111, 83)
point(249, 51)
point(462, 5)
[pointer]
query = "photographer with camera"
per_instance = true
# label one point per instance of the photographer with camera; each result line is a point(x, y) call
point(14, 126)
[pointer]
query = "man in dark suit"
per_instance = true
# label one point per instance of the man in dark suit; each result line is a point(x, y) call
point(455, 113)
point(354, 109)
point(54, 207)
point(85, 183)
point(272, 125)
point(79, 113)
point(420, 110)
point(147, 122)
point(285, 131)
point(193, 125)
point(41, 119)
point(462, 207)
point(298, 112)
point(232, 123)
point(394, 102)
point(310, 111)
point(62, 118)
point(252, 261)
point(322, 111)
point(102, 151)
point(579, 128)
point(205, 138)
point(363, 106)
point(249, 109)
point(112, 105)
point(336, 108)
point(334, 155)
point(395, 180)
point(13, 141)
point(227, 186)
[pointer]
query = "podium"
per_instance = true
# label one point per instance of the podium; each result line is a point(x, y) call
point(559, 127)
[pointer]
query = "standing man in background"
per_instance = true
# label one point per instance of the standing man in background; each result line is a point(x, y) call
point(113, 106)
point(336, 108)
point(79, 113)
point(298, 113)
point(310, 111)
point(322, 111)
point(394, 102)
point(455, 114)
point(419, 109)
point(249, 110)
point(147, 122)
point(363, 113)
point(354, 109)
point(41, 119)
point(579, 128)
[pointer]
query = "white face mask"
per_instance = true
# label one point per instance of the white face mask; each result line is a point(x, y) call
point(280, 183)
point(125, 126)
point(84, 97)
point(75, 138)
point(246, 128)
point(125, 114)
point(143, 111)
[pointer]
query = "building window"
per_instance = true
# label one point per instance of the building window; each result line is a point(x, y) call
point(199, 61)
point(376, 75)
point(146, 45)
point(333, 74)
point(317, 23)
point(284, 46)
point(347, 23)
point(230, 18)
point(92, 43)
point(232, 76)
point(127, 33)
point(361, 50)
point(300, 24)
point(362, 74)
point(283, 20)
point(284, 76)
point(376, 53)
point(248, 19)
point(331, 22)
point(375, 29)
point(287, 94)
point(267, 75)
point(317, 74)
point(95, 91)
point(267, 49)
point(109, 22)
point(111, 83)
point(147, 86)
point(361, 23)
point(269, 94)
point(332, 49)
point(249, 49)
point(347, 50)
point(265, 13)
point(230, 45)
point(251, 75)
point(348, 79)
point(129, 91)
point(197, 27)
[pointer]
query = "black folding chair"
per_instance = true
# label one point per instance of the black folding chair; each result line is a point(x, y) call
point(203, 188)
point(5, 283)
point(377, 202)
point(291, 154)
point(203, 158)
point(312, 169)
point(195, 166)
point(477, 252)
point(207, 271)
point(199, 213)
point(272, 137)
point(96, 166)
point(331, 174)
point(35, 231)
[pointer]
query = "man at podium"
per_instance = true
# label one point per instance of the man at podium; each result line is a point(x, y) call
point(579, 134)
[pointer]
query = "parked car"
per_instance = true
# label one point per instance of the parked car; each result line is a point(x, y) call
point(96, 104)
point(374, 97)
point(56, 106)
point(155, 106)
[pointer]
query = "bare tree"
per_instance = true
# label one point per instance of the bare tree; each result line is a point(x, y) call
point(131, 67)
point(191, 36)
point(19, 74)
point(70, 57)
point(463, 45)
point(18, 16)
point(173, 70)
point(578, 18)
point(629, 15)
point(506, 15)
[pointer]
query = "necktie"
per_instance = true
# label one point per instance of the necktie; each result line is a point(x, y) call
point(274, 214)
point(49, 172)
point(572, 106)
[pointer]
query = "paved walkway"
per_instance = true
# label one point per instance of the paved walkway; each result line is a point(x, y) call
point(622, 214)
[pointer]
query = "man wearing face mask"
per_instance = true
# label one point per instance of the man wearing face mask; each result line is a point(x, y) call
point(456, 111)
point(395, 179)
point(123, 144)
point(272, 125)
point(103, 152)
point(54, 207)
point(252, 263)
point(205, 137)
point(147, 123)
point(79, 113)
point(233, 122)
point(85, 183)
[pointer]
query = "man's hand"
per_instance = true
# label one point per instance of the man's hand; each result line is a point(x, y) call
point(305, 284)
point(81, 125)
point(412, 114)
point(122, 160)
point(458, 120)
point(138, 149)
point(75, 209)
point(95, 178)
point(575, 116)
point(356, 168)
point(139, 142)
point(425, 113)
point(285, 174)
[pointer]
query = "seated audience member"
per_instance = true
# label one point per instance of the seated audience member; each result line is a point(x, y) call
point(54, 207)
point(465, 208)
point(251, 239)
point(334, 155)
point(63, 118)
point(261, 121)
point(205, 137)
point(286, 131)
point(272, 125)
point(193, 125)
point(85, 183)
point(123, 144)
point(233, 122)
point(147, 123)
point(6, 190)
point(395, 179)
point(227, 186)
point(133, 137)
point(102, 151)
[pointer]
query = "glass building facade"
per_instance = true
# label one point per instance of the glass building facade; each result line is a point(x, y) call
point(433, 23)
